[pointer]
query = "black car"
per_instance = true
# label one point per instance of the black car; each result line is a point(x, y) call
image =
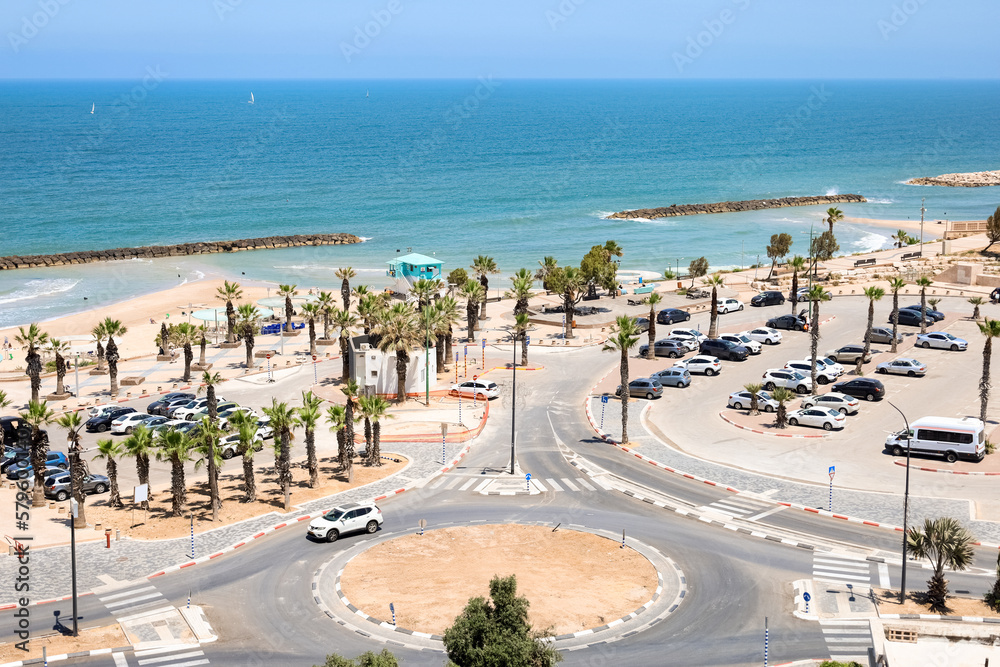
point(789, 322)
point(672, 315)
point(769, 298)
point(935, 315)
point(866, 388)
point(103, 423)
point(665, 347)
point(641, 324)
point(723, 349)
point(912, 318)
point(160, 407)
point(8, 429)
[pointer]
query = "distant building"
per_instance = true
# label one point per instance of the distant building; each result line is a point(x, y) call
point(410, 268)
point(375, 371)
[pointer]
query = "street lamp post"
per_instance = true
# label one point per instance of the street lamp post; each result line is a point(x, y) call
point(906, 504)
point(74, 462)
point(513, 403)
point(76, 370)
point(922, 211)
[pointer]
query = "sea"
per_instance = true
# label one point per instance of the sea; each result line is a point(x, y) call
point(514, 169)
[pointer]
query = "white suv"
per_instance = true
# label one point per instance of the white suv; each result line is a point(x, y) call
point(126, 423)
point(787, 378)
point(349, 518)
point(742, 339)
point(194, 407)
point(729, 306)
point(823, 374)
point(688, 334)
point(765, 335)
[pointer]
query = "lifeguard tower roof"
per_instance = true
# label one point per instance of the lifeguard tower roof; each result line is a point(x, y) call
point(416, 259)
point(411, 267)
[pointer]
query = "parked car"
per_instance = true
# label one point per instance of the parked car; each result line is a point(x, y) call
point(672, 377)
point(159, 407)
point(672, 315)
point(191, 407)
point(832, 365)
point(264, 427)
point(12, 457)
point(823, 374)
point(100, 410)
point(480, 389)
point(824, 418)
point(690, 334)
point(58, 487)
point(803, 295)
point(769, 298)
point(789, 322)
point(687, 342)
point(8, 429)
point(219, 408)
point(102, 422)
point(765, 335)
point(789, 379)
point(701, 363)
point(935, 315)
point(728, 306)
point(224, 415)
point(869, 389)
point(642, 388)
point(350, 518)
point(723, 349)
point(849, 354)
point(641, 324)
point(24, 470)
point(941, 340)
point(884, 335)
point(125, 424)
point(843, 403)
point(908, 367)
point(665, 347)
point(230, 445)
point(170, 424)
point(752, 346)
point(911, 318)
point(741, 399)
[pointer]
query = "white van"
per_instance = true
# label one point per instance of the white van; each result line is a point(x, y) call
point(943, 436)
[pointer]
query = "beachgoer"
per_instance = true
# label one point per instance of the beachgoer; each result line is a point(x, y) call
point(995, 295)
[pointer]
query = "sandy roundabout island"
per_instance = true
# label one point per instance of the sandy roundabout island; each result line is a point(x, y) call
point(574, 580)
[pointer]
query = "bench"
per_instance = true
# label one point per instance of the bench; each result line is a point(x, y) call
point(864, 262)
point(909, 256)
point(643, 290)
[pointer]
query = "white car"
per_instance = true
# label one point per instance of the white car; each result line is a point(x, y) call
point(231, 444)
point(942, 340)
point(831, 365)
point(765, 335)
point(688, 334)
point(193, 407)
point(729, 306)
point(804, 366)
point(824, 418)
point(909, 367)
point(226, 414)
point(842, 403)
point(688, 342)
point(481, 389)
point(349, 518)
point(741, 399)
point(701, 363)
point(787, 378)
point(742, 339)
point(101, 410)
point(172, 423)
point(126, 423)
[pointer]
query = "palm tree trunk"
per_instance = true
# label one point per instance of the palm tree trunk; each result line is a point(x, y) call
point(345, 358)
point(288, 313)
point(449, 340)
point(248, 342)
point(188, 358)
point(868, 330)
point(249, 482)
point(402, 359)
point(623, 369)
point(485, 282)
point(76, 471)
point(312, 337)
point(984, 383)
point(377, 444)
point(345, 294)
point(923, 310)
point(895, 319)
point(439, 351)
point(230, 322)
point(61, 375)
point(651, 332)
point(368, 441)
point(177, 486)
point(285, 472)
point(142, 470)
point(341, 449)
point(781, 415)
point(204, 344)
point(570, 311)
point(100, 357)
point(326, 325)
point(38, 450)
point(524, 348)
point(34, 371)
point(311, 458)
point(713, 326)
point(115, 499)
point(793, 298)
point(470, 319)
point(112, 356)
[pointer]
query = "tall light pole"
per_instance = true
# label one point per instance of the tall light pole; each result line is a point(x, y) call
point(76, 370)
point(922, 211)
point(73, 467)
point(513, 403)
point(906, 505)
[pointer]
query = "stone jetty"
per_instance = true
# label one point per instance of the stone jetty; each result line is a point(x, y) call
point(735, 206)
point(179, 250)
point(978, 179)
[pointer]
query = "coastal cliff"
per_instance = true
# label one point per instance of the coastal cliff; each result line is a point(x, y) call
point(735, 206)
point(179, 250)
point(978, 179)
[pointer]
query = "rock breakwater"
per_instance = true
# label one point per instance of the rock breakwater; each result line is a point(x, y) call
point(977, 179)
point(735, 206)
point(179, 250)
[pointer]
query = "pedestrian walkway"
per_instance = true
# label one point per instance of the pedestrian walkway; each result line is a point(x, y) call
point(742, 507)
point(138, 600)
point(832, 569)
point(847, 639)
point(184, 655)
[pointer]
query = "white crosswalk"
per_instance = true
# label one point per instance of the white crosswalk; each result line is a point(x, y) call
point(847, 639)
point(743, 507)
point(841, 570)
point(138, 600)
point(478, 483)
point(180, 655)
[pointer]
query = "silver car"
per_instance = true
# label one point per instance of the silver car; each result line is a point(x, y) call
point(846, 405)
point(941, 340)
point(672, 377)
point(57, 486)
point(884, 335)
point(741, 399)
point(908, 367)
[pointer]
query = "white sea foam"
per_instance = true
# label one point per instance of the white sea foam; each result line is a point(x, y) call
point(315, 267)
point(38, 288)
point(832, 192)
point(881, 200)
point(870, 242)
point(366, 238)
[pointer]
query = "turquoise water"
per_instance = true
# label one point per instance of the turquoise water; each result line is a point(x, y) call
point(514, 169)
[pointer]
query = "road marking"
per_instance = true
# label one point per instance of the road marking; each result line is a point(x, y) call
point(483, 485)
point(149, 612)
point(883, 576)
point(552, 483)
point(190, 654)
point(436, 483)
point(569, 485)
point(465, 486)
point(766, 513)
point(586, 484)
point(130, 601)
point(538, 485)
point(105, 598)
point(452, 482)
point(162, 649)
point(120, 660)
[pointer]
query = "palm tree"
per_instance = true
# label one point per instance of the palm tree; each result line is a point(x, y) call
point(185, 336)
point(473, 292)
point(249, 319)
point(114, 329)
point(73, 422)
point(228, 293)
point(754, 389)
point(833, 215)
point(360, 291)
point(423, 290)
point(287, 291)
point(109, 450)
point(38, 416)
point(344, 322)
point(895, 285)
point(816, 294)
point(308, 417)
point(715, 281)
point(546, 267)
point(350, 391)
point(797, 263)
point(522, 283)
point(782, 396)
point(923, 282)
point(482, 266)
point(345, 274)
point(623, 336)
point(99, 335)
point(374, 409)
point(874, 294)
point(569, 282)
point(900, 237)
point(326, 308)
point(34, 338)
point(945, 543)
point(59, 348)
point(4, 401)
point(976, 301)
point(206, 443)
point(310, 311)
point(202, 330)
point(450, 316)
point(175, 447)
point(654, 299)
point(399, 333)
point(210, 437)
point(336, 418)
point(990, 329)
point(370, 309)
point(283, 420)
point(139, 446)
point(521, 324)
point(246, 427)
point(430, 323)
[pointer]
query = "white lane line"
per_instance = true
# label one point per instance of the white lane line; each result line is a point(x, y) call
point(584, 483)
point(190, 654)
point(769, 512)
point(452, 482)
point(436, 483)
point(841, 559)
point(131, 601)
point(468, 484)
point(483, 485)
point(569, 485)
point(149, 612)
point(162, 649)
point(190, 663)
point(883, 576)
point(120, 660)
point(837, 568)
point(552, 483)
point(538, 485)
point(731, 507)
point(105, 598)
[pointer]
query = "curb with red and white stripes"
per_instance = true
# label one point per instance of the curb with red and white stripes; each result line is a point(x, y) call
point(946, 472)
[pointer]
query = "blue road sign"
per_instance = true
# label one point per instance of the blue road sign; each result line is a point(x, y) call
point(604, 399)
point(806, 597)
point(833, 469)
point(528, 476)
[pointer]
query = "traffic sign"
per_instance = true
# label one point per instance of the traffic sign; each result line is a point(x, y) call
point(528, 476)
point(806, 597)
point(268, 355)
point(475, 377)
point(604, 399)
point(833, 471)
point(314, 357)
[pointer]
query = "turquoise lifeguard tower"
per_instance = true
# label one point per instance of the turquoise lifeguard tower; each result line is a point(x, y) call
point(410, 268)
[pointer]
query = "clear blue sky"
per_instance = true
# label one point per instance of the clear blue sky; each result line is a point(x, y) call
point(256, 39)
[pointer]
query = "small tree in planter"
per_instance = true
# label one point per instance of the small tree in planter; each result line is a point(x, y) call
point(782, 396)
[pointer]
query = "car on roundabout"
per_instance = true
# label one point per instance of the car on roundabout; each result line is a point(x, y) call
point(827, 419)
point(942, 340)
point(702, 363)
point(843, 403)
point(345, 519)
point(765, 335)
point(909, 367)
point(741, 399)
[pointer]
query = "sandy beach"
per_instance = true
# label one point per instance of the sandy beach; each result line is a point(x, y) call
point(931, 227)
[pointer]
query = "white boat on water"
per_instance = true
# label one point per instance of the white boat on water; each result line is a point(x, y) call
point(250, 101)
point(92, 107)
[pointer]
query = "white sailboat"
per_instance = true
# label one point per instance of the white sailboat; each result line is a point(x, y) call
point(92, 107)
point(250, 101)
point(366, 93)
